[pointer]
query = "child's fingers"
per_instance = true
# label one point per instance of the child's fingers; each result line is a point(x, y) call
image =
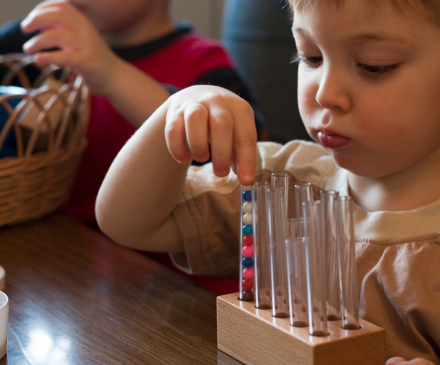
point(196, 126)
point(57, 14)
point(63, 45)
point(233, 162)
point(54, 38)
point(41, 19)
point(59, 58)
point(245, 144)
point(395, 360)
point(215, 122)
point(175, 137)
point(221, 127)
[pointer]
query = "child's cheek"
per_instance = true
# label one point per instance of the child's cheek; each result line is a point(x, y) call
point(309, 110)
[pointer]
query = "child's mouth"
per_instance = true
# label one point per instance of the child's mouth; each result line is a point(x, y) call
point(332, 140)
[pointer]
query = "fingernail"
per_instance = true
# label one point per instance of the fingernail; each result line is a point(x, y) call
point(182, 161)
point(223, 172)
point(24, 22)
point(249, 178)
point(27, 45)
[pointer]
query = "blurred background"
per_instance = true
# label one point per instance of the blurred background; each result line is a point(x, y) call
point(205, 15)
point(258, 35)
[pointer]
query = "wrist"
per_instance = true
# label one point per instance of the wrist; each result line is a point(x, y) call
point(110, 77)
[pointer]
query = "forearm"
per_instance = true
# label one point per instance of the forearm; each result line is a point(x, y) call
point(145, 182)
point(141, 189)
point(79, 46)
point(133, 93)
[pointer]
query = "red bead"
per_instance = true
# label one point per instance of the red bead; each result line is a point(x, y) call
point(248, 240)
point(247, 284)
point(248, 251)
point(248, 273)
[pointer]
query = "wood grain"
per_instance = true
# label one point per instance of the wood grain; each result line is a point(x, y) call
point(255, 337)
point(78, 298)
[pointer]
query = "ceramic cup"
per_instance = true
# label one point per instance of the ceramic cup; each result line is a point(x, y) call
point(2, 278)
point(4, 311)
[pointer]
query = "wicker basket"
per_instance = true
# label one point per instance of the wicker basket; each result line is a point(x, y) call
point(48, 126)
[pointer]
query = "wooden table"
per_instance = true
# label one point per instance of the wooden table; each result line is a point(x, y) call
point(78, 298)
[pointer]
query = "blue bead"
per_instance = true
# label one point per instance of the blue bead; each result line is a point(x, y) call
point(247, 195)
point(247, 229)
point(247, 262)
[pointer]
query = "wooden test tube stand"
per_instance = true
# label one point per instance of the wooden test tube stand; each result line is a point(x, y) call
point(253, 336)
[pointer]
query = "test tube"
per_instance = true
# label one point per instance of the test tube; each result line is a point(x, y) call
point(328, 202)
point(247, 201)
point(276, 232)
point(303, 193)
point(296, 275)
point(262, 282)
point(281, 180)
point(316, 291)
point(347, 263)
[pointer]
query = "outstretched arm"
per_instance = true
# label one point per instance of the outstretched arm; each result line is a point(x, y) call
point(78, 45)
point(146, 180)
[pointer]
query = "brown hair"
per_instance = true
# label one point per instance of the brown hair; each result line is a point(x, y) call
point(429, 8)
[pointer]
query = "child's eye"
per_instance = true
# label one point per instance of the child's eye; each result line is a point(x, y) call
point(377, 71)
point(309, 61)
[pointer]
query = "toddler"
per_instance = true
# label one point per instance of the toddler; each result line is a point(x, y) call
point(132, 57)
point(369, 96)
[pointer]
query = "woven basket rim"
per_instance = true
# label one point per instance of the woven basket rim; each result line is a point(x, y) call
point(38, 180)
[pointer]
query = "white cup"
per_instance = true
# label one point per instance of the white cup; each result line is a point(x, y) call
point(2, 278)
point(4, 311)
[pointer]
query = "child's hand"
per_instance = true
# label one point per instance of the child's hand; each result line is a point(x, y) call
point(401, 361)
point(205, 122)
point(77, 42)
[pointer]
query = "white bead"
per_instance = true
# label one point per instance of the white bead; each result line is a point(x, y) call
point(247, 219)
point(247, 207)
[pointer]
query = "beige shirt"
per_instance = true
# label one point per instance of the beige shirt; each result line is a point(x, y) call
point(398, 253)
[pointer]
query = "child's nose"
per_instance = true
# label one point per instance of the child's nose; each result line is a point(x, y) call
point(333, 91)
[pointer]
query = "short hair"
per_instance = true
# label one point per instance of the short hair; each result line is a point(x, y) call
point(428, 8)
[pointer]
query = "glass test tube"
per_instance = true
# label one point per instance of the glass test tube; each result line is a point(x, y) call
point(281, 180)
point(263, 298)
point(296, 275)
point(328, 202)
point(303, 193)
point(277, 220)
point(315, 263)
point(347, 263)
point(246, 292)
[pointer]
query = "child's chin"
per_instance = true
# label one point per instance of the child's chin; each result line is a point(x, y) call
point(348, 162)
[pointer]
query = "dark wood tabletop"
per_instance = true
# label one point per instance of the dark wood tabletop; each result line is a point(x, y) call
point(76, 297)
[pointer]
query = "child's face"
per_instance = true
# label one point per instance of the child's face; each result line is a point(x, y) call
point(369, 85)
point(109, 16)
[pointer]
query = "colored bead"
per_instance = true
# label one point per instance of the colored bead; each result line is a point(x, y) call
point(247, 207)
point(247, 262)
point(248, 273)
point(247, 284)
point(247, 229)
point(248, 240)
point(248, 219)
point(248, 251)
point(247, 295)
point(247, 195)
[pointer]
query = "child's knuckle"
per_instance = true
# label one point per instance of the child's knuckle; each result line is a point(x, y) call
point(172, 130)
point(195, 113)
point(247, 140)
point(246, 109)
point(222, 123)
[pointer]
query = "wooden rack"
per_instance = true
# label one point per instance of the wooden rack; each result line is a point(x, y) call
point(253, 336)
